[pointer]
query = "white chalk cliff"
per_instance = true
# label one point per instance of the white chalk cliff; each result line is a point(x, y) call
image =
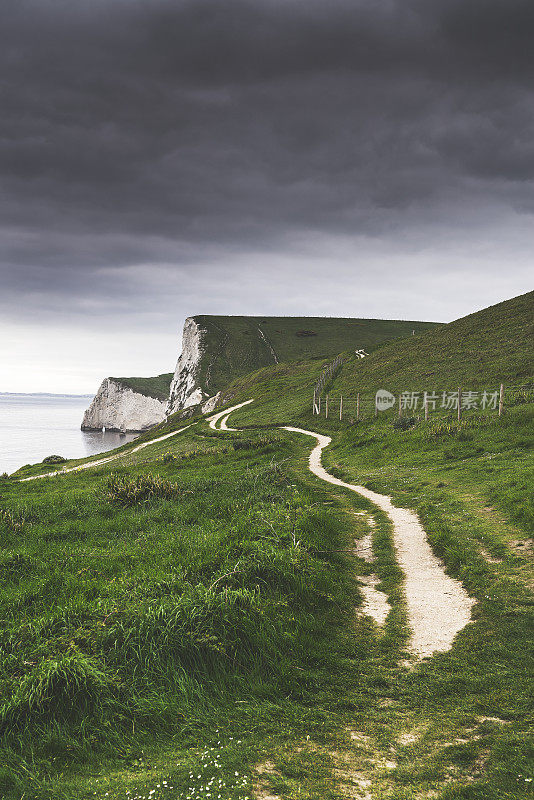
point(116, 407)
point(186, 389)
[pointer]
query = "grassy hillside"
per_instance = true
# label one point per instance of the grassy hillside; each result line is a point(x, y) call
point(239, 345)
point(484, 348)
point(184, 623)
point(475, 352)
point(157, 387)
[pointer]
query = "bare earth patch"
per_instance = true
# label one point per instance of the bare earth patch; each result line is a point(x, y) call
point(375, 603)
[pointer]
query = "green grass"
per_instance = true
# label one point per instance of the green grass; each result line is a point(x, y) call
point(157, 387)
point(184, 619)
point(236, 346)
point(476, 352)
point(139, 603)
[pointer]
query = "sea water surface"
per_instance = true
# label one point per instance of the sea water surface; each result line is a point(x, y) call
point(33, 426)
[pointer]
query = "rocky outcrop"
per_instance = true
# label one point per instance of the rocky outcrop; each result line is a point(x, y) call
point(186, 389)
point(116, 407)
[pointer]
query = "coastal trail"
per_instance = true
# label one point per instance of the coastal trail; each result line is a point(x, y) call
point(106, 460)
point(438, 607)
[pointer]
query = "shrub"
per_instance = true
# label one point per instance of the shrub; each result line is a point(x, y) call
point(252, 444)
point(305, 333)
point(168, 458)
point(54, 460)
point(142, 489)
point(404, 423)
point(442, 428)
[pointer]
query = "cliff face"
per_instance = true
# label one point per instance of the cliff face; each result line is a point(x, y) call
point(219, 349)
point(116, 407)
point(186, 389)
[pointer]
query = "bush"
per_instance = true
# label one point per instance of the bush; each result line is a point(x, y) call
point(404, 423)
point(142, 489)
point(54, 460)
point(168, 458)
point(252, 444)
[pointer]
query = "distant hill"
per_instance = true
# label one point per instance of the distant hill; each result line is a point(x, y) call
point(478, 351)
point(219, 349)
point(492, 345)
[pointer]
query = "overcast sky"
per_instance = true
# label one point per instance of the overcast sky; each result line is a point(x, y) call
point(161, 158)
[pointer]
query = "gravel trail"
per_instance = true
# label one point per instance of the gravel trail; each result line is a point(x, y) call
point(438, 606)
point(108, 458)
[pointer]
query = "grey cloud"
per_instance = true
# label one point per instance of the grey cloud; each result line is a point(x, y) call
point(151, 131)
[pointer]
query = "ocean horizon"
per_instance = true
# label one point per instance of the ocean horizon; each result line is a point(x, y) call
point(36, 425)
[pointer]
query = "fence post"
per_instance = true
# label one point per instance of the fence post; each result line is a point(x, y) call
point(319, 405)
point(341, 407)
point(501, 399)
point(358, 406)
point(400, 406)
point(326, 407)
point(426, 408)
point(459, 404)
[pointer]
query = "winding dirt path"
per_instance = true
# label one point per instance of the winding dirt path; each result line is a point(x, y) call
point(438, 606)
point(223, 416)
point(108, 458)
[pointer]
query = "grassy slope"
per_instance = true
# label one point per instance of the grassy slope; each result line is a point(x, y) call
point(146, 596)
point(235, 345)
point(126, 627)
point(471, 484)
point(157, 386)
point(484, 348)
point(477, 351)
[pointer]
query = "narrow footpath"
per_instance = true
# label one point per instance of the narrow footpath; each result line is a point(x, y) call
point(438, 607)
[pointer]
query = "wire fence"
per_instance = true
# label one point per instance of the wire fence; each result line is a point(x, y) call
point(328, 373)
point(355, 406)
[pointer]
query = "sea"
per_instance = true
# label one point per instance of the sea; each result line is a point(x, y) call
point(33, 426)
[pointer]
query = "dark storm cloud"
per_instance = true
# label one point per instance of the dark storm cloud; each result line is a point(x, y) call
point(151, 132)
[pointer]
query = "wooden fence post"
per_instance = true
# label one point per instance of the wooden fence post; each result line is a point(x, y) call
point(501, 399)
point(319, 405)
point(426, 408)
point(358, 406)
point(341, 407)
point(459, 404)
point(400, 406)
point(326, 407)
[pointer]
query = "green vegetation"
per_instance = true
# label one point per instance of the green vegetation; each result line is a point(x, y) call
point(236, 346)
point(182, 622)
point(140, 603)
point(157, 387)
point(480, 350)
